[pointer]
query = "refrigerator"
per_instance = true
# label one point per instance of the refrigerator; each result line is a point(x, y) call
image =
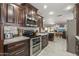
point(71, 33)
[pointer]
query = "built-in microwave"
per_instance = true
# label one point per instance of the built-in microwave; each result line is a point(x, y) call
point(30, 21)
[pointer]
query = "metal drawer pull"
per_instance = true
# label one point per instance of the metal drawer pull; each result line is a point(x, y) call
point(19, 52)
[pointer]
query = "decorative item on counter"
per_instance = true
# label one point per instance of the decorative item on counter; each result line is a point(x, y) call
point(8, 35)
point(20, 31)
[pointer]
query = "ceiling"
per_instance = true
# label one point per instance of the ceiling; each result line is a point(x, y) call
point(61, 15)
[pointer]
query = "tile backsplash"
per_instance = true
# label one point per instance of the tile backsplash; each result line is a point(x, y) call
point(11, 29)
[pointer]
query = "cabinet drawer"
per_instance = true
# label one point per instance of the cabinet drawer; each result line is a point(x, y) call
point(18, 52)
point(18, 49)
point(12, 49)
point(16, 44)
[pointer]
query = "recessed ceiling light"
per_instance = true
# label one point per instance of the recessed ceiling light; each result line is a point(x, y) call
point(69, 7)
point(51, 13)
point(45, 6)
point(32, 12)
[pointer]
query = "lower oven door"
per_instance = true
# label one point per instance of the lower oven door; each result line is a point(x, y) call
point(34, 48)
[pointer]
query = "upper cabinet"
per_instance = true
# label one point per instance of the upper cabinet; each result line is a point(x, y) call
point(30, 15)
point(12, 14)
point(0, 12)
point(40, 22)
point(20, 14)
point(8, 13)
point(21, 17)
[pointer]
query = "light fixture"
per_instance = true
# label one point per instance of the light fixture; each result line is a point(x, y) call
point(32, 12)
point(69, 7)
point(45, 6)
point(44, 20)
point(45, 28)
point(51, 13)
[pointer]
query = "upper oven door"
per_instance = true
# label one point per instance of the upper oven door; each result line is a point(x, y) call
point(35, 40)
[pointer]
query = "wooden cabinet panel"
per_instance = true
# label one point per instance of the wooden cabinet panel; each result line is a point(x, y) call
point(10, 14)
point(40, 22)
point(1, 41)
point(18, 49)
point(51, 36)
point(21, 17)
point(0, 13)
point(1, 47)
point(77, 47)
point(77, 17)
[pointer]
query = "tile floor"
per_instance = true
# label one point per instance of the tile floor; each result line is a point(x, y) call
point(56, 48)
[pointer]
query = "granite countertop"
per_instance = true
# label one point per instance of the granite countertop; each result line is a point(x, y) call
point(42, 33)
point(77, 37)
point(16, 39)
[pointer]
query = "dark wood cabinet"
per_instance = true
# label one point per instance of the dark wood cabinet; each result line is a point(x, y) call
point(21, 48)
point(10, 14)
point(51, 36)
point(40, 22)
point(30, 13)
point(76, 16)
point(44, 41)
point(21, 17)
point(1, 41)
point(77, 47)
point(0, 13)
point(7, 13)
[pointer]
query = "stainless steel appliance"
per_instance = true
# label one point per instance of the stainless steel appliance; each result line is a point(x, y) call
point(71, 33)
point(30, 21)
point(35, 45)
point(35, 42)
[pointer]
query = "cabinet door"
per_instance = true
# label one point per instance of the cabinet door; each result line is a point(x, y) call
point(1, 47)
point(10, 14)
point(21, 17)
point(0, 13)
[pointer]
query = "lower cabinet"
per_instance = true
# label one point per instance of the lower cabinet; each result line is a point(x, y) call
point(77, 47)
point(21, 48)
point(1, 48)
point(51, 36)
point(44, 41)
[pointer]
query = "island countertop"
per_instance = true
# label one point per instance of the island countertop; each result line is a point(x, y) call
point(42, 34)
point(16, 39)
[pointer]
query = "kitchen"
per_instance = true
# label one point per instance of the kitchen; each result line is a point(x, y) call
point(23, 31)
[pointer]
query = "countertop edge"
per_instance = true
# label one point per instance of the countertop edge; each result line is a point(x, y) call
point(77, 37)
point(17, 39)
